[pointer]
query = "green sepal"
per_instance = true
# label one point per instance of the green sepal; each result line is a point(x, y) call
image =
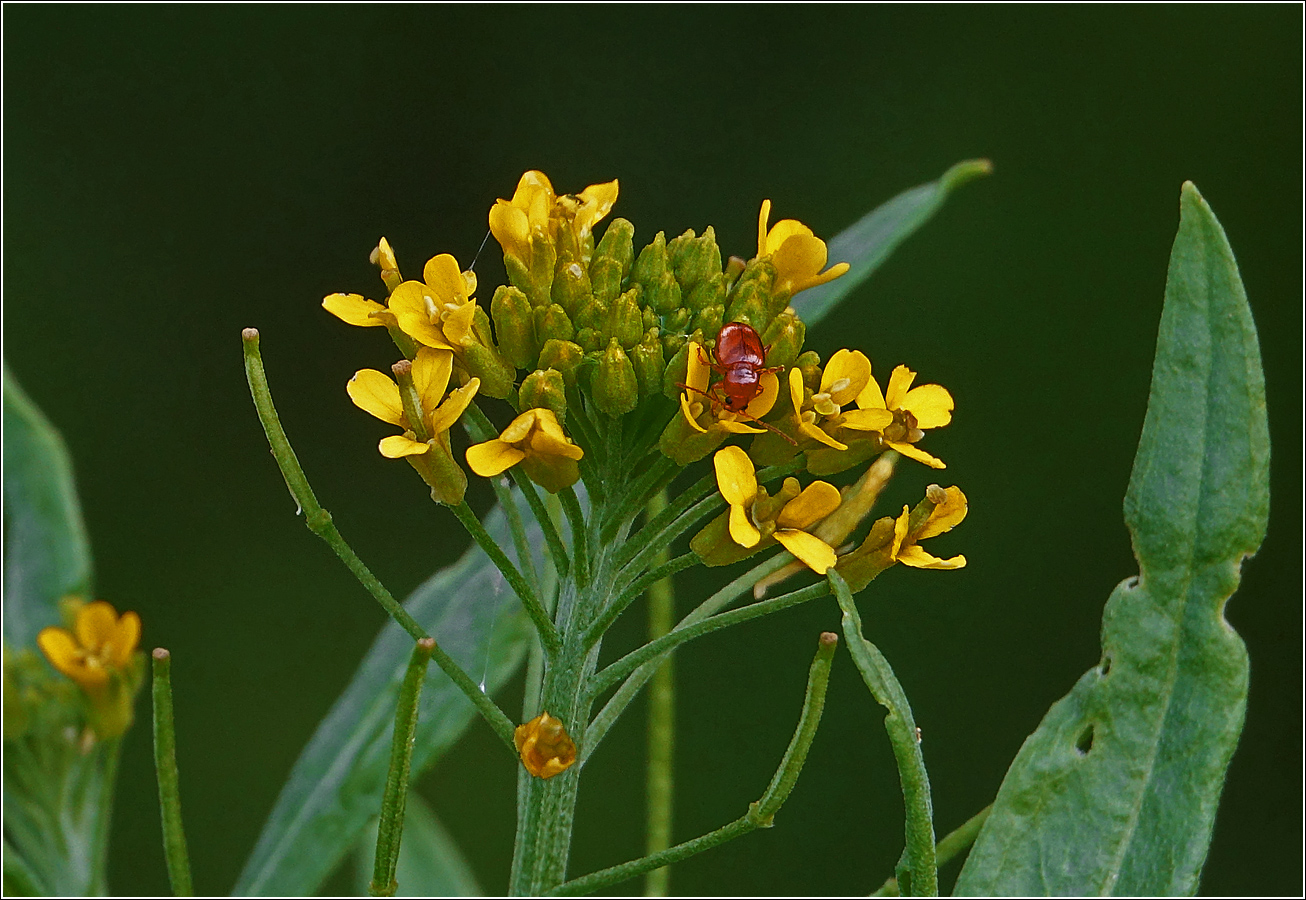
point(446, 479)
point(784, 338)
point(497, 376)
point(698, 261)
point(651, 264)
point(545, 389)
point(513, 325)
point(625, 320)
point(544, 259)
point(617, 244)
point(870, 559)
point(809, 363)
point(710, 320)
point(715, 547)
point(685, 444)
point(564, 356)
point(614, 387)
point(571, 286)
point(605, 279)
point(552, 324)
point(518, 274)
point(649, 365)
point(708, 292)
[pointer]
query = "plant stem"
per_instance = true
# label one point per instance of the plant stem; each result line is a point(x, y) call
point(660, 789)
point(579, 535)
point(955, 843)
point(646, 582)
point(390, 830)
point(761, 813)
point(165, 768)
point(920, 875)
point(543, 624)
point(319, 522)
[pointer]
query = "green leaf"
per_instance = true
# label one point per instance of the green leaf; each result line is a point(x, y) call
point(336, 785)
point(47, 554)
point(868, 242)
point(430, 863)
point(1116, 791)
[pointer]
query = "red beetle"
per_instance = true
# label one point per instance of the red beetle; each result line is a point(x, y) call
point(740, 361)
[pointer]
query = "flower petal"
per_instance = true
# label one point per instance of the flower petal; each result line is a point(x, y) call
point(354, 309)
point(63, 651)
point(511, 229)
point(871, 398)
point(520, 428)
point(385, 256)
point(450, 411)
point(900, 531)
point(762, 218)
point(597, 201)
point(817, 501)
point(493, 457)
point(766, 397)
point(530, 186)
point(911, 452)
point(409, 304)
point(457, 325)
point(846, 376)
point(796, 388)
point(816, 434)
point(95, 625)
point(126, 636)
point(735, 476)
point(866, 419)
point(546, 445)
point(816, 553)
point(697, 368)
point(742, 531)
point(931, 404)
point(780, 234)
point(946, 515)
point(431, 372)
point(917, 558)
point(400, 445)
point(899, 382)
point(687, 409)
point(375, 393)
point(736, 427)
point(444, 277)
point(798, 259)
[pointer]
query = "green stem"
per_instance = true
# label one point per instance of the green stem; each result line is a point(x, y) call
point(660, 788)
point(319, 522)
point(543, 624)
point(761, 814)
point(579, 535)
point(646, 582)
point(618, 670)
point(920, 876)
point(390, 830)
point(165, 768)
point(516, 525)
point(654, 526)
point(637, 496)
point(948, 849)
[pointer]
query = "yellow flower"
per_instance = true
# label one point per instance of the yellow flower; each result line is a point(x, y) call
point(797, 254)
point(694, 400)
point(946, 514)
point(439, 310)
point(355, 308)
point(914, 410)
point(536, 440)
point(377, 394)
point(536, 212)
point(737, 480)
point(844, 378)
point(100, 645)
point(544, 746)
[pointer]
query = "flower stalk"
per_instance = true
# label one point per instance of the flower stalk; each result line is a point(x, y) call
point(165, 768)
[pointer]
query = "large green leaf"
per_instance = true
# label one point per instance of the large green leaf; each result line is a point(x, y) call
point(868, 242)
point(47, 554)
point(336, 785)
point(430, 863)
point(1116, 791)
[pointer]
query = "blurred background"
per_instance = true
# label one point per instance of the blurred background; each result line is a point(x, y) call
point(175, 174)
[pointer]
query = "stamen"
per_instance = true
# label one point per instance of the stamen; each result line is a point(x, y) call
point(840, 384)
point(432, 312)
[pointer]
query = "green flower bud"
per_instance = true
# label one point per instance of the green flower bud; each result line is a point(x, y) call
point(676, 247)
point(614, 387)
point(592, 313)
point(652, 263)
point(589, 339)
point(785, 337)
point(545, 389)
point(618, 244)
point(685, 444)
point(605, 279)
point(671, 344)
point(734, 268)
point(544, 258)
point(677, 369)
point(809, 361)
point(649, 319)
point(485, 363)
point(518, 274)
point(514, 326)
point(648, 362)
point(625, 320)
point(748, 305)
point(571, 286)
point(552, 324)
point(677, 322)
point(710, 291)
point(564, 356)
point(664, 294)
point(697, 261)
point(710, 320)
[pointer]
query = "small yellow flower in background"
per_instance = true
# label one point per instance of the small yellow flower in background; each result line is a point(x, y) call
point(915, 410)
point(949, 512)
point(533, 219)
point(737, 480)
point(537, 441)
point(358, 310)
point(797, 254)
point(439, 310)
point(844, 379)
point(100, 644)
point(377, 394)
point(544, 746)
point(98, 654)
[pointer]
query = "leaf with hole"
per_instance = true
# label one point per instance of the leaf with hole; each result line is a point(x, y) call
point(1116, 792)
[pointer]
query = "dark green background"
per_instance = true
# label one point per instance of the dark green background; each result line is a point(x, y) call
point(172, 175)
